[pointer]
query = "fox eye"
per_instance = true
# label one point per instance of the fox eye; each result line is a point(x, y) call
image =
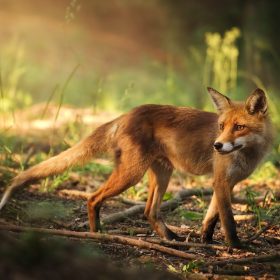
point(221, 126)
point(239, 127)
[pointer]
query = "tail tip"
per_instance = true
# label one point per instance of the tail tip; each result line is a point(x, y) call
point(4, 199)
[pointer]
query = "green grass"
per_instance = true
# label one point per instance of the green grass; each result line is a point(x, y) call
point(95, 169)
point(48, 210)
point(190, 215)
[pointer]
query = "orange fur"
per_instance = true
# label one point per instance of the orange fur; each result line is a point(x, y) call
point(158, 138)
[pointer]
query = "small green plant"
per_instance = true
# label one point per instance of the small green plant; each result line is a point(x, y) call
point(172, 269)
point(167, 196)
point(6, 162)
point(253, 206)
point(48, 185)
point(274, 213)
point(200, 202)
point(95, 169)
point(191, 215)
point(138, 192)
point(268, 209)
point(74, 131)
point(191, 266)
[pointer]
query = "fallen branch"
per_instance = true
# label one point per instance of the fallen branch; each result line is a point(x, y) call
point(187, 244)
point(120, 216)
point(104, 238)
point(257, 259)
point(167, 205)
point(149, 231)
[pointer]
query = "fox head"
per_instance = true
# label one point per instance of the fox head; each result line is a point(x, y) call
point(240, 124)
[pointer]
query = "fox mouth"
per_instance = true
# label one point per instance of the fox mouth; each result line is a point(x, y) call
point(235, 148)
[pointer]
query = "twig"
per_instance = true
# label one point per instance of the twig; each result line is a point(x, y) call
point(131, 231)
point(268, 226)
point(184, 231)
point(257, 259)
point(130, 202)
point(258, 233)
point(104, 238)
point(187, 244)
point(74, 194)
point(244, 217)
point(5, 169)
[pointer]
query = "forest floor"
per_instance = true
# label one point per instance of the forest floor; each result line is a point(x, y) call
point(56, 204)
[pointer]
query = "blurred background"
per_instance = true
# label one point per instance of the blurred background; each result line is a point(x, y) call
point(114, 55)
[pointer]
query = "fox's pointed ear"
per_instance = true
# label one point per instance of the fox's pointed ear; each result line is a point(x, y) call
point(221, 102)
point(256, 102)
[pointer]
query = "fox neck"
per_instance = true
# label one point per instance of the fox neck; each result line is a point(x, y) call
point(244, 162)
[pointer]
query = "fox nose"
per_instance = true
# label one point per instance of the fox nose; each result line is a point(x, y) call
point(218, 145)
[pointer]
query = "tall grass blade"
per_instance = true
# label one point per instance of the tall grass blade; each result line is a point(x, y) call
point(63, 91)
point(1, 85)
point(49, 100)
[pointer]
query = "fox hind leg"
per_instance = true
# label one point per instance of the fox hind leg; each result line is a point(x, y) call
point(126, 174)
point(158, 176)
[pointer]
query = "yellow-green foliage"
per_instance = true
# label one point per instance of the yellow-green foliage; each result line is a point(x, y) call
point(221, 59)
point(11, 72)
point(265, 172)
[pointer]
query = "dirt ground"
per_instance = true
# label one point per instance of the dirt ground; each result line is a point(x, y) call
point(52, 210)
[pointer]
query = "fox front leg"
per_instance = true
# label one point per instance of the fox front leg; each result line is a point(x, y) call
point(220, 206)
point(223, 196)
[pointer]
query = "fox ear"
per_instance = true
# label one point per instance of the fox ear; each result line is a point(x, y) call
point(221, 102)
point(256, 102)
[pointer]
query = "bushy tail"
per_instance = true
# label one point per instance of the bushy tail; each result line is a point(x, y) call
point(79, 154)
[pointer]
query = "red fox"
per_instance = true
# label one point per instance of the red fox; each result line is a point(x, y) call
point(159, 138)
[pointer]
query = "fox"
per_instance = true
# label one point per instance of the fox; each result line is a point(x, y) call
point(156, 139)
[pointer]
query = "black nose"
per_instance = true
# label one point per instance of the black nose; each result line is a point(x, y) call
point(218, 145)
